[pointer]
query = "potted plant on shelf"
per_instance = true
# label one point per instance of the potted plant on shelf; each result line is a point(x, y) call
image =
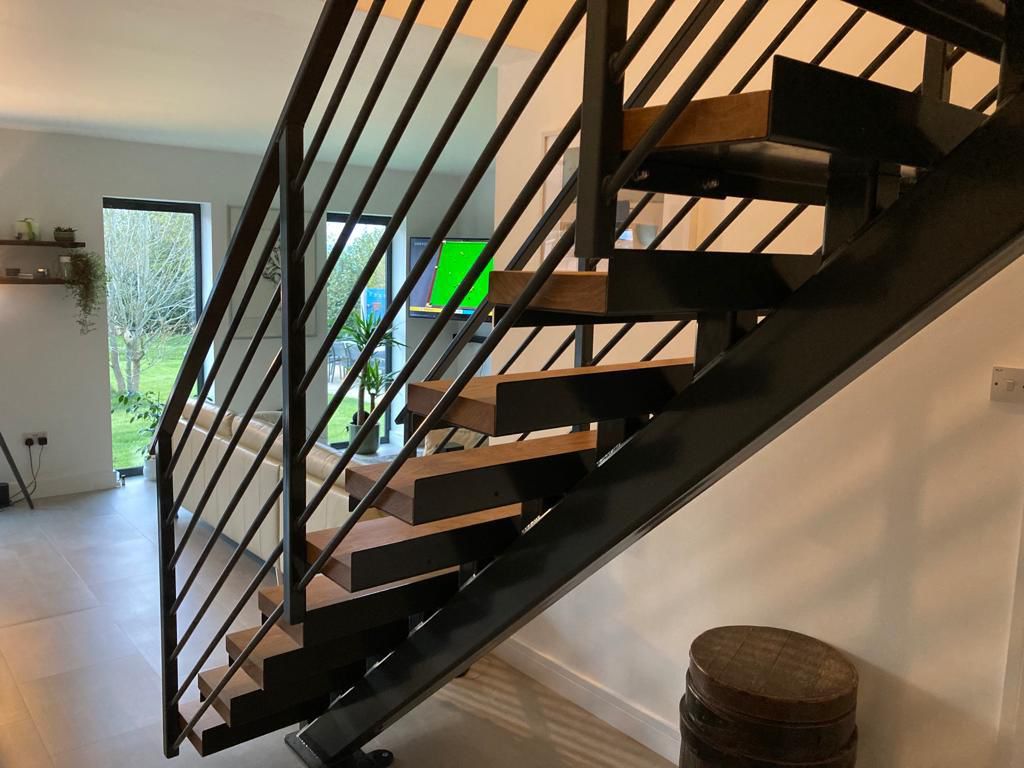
point(84, 277)
point(145, 409)
point(373, 380)
point(65, 235)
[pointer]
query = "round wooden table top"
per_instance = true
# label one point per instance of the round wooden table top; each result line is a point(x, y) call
point(773, 674)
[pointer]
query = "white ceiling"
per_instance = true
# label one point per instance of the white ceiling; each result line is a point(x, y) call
point(214, 74)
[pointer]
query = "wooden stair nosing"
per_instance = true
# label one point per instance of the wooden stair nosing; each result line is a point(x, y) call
point(809, 114)
point(333, 612)
point(212, 734)
point(522, 402)
point(380, 551)
point(278, 660)
point(666, 283)
point(243, 701)
point(487, 477)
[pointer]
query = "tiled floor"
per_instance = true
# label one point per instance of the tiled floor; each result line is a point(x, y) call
point(79, 660)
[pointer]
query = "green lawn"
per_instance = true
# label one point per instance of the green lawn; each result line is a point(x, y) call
point(129, 444)
point(159, 379)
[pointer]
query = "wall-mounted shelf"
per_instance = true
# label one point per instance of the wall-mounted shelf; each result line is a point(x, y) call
point(33, 281)
point(42, 243)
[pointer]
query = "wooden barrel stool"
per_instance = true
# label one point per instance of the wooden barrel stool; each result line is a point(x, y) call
point(759, 697)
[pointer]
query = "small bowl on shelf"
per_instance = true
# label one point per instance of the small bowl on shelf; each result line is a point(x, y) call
point(65, 235)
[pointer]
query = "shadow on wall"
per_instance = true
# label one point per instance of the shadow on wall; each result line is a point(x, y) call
point(909, 726)
point(887, 523)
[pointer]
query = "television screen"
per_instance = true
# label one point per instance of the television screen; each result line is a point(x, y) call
point(445, 271)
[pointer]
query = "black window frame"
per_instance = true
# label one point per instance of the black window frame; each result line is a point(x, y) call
point(379, 220)
point(167, 206)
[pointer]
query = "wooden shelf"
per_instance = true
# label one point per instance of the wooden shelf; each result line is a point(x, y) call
point(33, 281)
point(42, 243)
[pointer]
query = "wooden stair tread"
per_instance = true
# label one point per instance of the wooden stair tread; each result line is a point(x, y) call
point(387, 550)
point(663, 285)
point(420, 492)
point(332, 611)
point(212, 734)
point(243, 700)
point(520, 402)
point(278, 661)
point(777, 144)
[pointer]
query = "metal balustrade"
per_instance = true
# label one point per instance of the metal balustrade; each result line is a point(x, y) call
point(284, 177)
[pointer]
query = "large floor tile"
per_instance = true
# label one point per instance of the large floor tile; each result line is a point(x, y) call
point(62, 643)
point(77, 708)
point(21, 747)
point(24, 601)
point(136, 558)
point(12, 705)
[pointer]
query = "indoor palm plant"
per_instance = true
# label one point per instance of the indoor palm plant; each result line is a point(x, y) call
point(360, 330)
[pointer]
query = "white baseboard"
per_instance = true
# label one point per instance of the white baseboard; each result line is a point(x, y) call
point(648, 729)
point(65, 486)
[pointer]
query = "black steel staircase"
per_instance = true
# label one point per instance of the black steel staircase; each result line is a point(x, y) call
point(923, 201)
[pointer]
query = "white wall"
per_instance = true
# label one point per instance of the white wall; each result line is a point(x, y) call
point(51, 378)
point(888, 522)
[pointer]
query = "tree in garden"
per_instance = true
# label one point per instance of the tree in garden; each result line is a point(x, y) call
point(354, 257)
point(150, 263)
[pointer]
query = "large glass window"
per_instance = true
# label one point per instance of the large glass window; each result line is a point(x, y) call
point(154, 296)
point(374, 299)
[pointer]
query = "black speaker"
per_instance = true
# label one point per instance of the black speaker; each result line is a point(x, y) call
point(5, 495)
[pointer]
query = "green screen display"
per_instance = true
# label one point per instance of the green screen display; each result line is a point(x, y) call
point(455, 261)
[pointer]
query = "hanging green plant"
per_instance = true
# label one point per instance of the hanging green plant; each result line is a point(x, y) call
point(86, 281)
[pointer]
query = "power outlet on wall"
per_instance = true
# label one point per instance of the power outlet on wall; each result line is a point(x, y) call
point(37, 438)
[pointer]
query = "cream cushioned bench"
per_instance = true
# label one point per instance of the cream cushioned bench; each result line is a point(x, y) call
point(330, 513)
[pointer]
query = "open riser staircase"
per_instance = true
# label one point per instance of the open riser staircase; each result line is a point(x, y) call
point(440, 556)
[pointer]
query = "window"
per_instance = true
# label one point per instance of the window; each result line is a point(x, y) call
point(375, 299)
point(154, 297)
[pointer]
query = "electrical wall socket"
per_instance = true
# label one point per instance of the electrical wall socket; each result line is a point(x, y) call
point(1008, 385)
point(34, 436)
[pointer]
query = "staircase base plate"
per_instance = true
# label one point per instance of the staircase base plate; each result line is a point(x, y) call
point(380, 758)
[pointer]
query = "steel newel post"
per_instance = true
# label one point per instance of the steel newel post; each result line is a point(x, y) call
point(168, 589)
point(600, 145)
point(293, 368)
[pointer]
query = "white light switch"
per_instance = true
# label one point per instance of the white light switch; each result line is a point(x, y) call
point(1008, 385)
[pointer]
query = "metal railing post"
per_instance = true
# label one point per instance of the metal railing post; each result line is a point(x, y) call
point(293, 368)
point(168, 590)
point(600, 147)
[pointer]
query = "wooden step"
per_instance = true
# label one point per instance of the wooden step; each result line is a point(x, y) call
point(777, 144)
point(212, 734)
point(243, 701)
point(377, 552)
point(278, 662)
point(524, 402)
point(658, 285)
point(488, 477)
point(332, 611)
